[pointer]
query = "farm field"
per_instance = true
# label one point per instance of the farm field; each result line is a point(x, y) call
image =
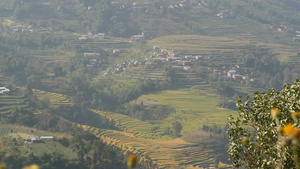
point(21, 133)
point(7, 102)
point(51, 147)
point(54, 98)
point(193, 109)
point(48, 56)
point(138, 128)
point(219, 46)
point(162, 153)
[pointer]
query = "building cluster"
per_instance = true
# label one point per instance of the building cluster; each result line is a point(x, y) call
point(21, 28)
point(121, 67)
point(186, 3)
point(233, 73)
point(297, 35)
point(172, 56)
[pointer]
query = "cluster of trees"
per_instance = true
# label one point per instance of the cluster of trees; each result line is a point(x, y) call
point(82, 115)
point(95, 154)
point(106, 93)
point(21, 116)
point(214, 129)
point(146, 112)
point(266, 68)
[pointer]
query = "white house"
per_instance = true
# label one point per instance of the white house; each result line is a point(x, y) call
point(116, 51)
point(237, 76)
point(230, 73)
point(188, 56)
point(82, 38)
point(46, 138)
point(4, 90)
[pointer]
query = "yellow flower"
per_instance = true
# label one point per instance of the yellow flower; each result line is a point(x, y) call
point(33, 166)
point(295, 115)
point(131, 161)
point(275, 112)
point(290, 130)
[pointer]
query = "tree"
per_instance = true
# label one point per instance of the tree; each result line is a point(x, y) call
point(177, 126)
point(266, 132)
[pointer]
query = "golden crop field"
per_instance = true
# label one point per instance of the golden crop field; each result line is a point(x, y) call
point(54, 98)
point(164, 153)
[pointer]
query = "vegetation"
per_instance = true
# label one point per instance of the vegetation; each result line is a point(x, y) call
point(266, 134)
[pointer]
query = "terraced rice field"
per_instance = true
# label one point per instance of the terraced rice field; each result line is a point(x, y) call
point(161, 153)
point(217, 46)
point(54, 98)
point(7, 102)
point(51, 56)
point(138, 128)
point(193, 109)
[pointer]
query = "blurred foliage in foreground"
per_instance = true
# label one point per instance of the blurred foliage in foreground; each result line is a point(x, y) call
point(266, 132)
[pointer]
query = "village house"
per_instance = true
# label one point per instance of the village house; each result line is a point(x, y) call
point(237, 76)
point(136, 37)
point(231, 72)
point(148, 64)
point(82, 38)
point(116, 51)
point(93, 61)
point(186, 67)
point(199, 57)
point(4, 90)
point(246, 78)
point(188, 57)
point(253, 80)
point(35, 140)
point(49, 138)
point(92, 55)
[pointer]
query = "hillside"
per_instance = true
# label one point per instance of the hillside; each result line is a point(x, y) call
point(158, 79)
